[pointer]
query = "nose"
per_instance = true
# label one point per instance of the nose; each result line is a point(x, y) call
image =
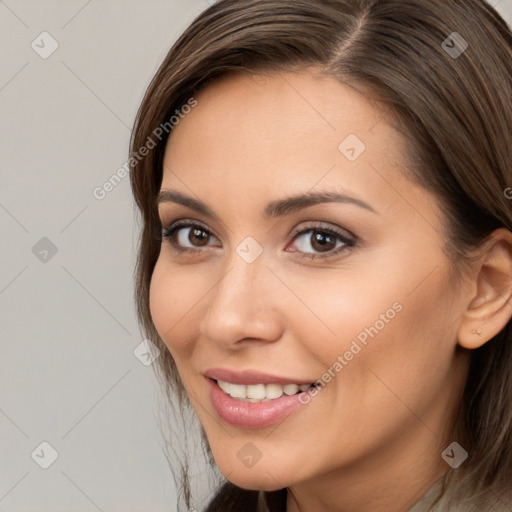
point(243, 306)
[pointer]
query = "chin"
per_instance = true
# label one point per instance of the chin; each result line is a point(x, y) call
point(251, 483)
point(262, 478)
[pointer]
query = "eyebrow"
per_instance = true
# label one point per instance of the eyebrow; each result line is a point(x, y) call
point(273, 209)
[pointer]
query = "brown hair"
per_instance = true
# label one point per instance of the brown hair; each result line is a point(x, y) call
point(456, 110)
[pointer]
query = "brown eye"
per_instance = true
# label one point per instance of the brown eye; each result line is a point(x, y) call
point(322, 242)
point(189, 236)
point(198, 237)
point(317, 242)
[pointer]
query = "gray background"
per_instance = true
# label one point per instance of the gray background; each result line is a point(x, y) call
point(68, 373)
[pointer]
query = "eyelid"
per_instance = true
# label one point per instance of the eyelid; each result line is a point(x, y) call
point(348, 239)
point(185, 223)
point(322, 225)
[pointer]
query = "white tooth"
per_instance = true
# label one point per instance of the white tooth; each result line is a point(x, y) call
point(290, 389)
point(224, 386)
point(273, 390)
point(256, 391)
point(237, 390)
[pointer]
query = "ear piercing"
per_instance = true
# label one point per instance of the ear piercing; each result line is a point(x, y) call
point(478, 332)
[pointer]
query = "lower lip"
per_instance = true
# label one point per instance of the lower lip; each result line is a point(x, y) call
point(249, 414)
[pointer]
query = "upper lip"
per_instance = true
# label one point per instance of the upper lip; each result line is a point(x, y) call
point(249, 377)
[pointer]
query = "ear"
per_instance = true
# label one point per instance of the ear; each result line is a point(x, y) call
point(490, 306)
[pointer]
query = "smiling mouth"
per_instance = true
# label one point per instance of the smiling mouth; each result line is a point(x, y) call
point(255, 393)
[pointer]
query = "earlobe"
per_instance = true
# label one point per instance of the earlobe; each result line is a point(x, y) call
point(490, 308)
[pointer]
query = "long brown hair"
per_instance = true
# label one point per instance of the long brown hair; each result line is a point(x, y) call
point(452, 103)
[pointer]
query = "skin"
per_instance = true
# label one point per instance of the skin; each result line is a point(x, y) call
point(378, 428)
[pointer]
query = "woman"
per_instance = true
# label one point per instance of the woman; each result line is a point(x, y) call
point(326, 253)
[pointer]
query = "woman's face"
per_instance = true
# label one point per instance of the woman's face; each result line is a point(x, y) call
point(303, 254)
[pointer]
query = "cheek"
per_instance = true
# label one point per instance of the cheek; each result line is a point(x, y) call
point(342, 309)
point(393, 328)
point(407, 348)
point(172, 298)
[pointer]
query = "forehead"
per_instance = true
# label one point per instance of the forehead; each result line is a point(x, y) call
point(261, 135)
point(292, 107)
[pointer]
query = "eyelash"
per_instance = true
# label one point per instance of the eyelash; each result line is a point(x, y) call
point(349, 243)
